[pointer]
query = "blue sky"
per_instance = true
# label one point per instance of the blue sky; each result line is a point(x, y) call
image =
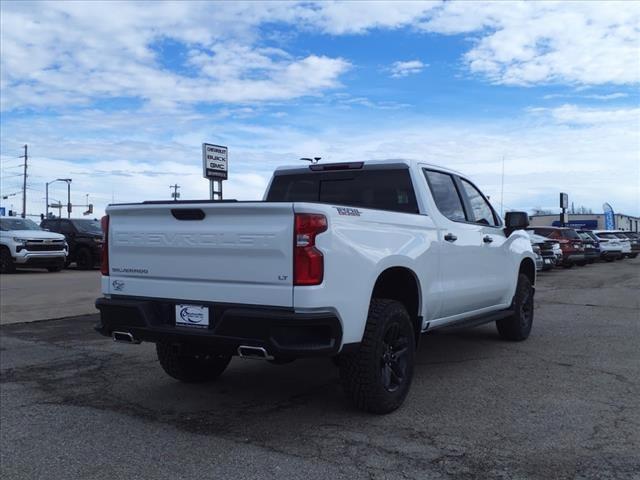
point(120, 95)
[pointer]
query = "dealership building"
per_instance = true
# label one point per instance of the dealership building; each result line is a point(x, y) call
point(591, 221)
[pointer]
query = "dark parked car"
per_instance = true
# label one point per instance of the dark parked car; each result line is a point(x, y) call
point(570, 243)
point(84, 237)
point(591, 246)
point(543, 247)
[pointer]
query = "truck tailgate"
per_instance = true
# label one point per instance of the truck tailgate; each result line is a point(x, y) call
point(214, 252)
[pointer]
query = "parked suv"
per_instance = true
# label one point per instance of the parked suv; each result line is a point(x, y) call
point(570, 243)
point(84, 237)
point(545, 250)
point(611, 247)
point(24, 244)
point(591, 246)
point(634, 239)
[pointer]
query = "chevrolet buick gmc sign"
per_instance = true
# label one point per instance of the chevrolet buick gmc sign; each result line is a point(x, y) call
point(214, 161)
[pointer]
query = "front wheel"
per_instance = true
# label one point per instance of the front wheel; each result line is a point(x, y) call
point(378, 376)
point(84, 259)
point(190, 368)
point(6, 262)
point(517, 327)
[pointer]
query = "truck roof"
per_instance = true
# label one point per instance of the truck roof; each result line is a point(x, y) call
point(377, 163)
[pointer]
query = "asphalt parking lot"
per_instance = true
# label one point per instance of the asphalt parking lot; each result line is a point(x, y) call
point(564, 404)
point(36, 294)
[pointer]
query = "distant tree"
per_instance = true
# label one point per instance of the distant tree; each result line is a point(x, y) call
point(583, 210)
point(541, 211)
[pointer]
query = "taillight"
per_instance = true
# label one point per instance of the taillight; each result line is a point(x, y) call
point(104, 268)
point(308, 262)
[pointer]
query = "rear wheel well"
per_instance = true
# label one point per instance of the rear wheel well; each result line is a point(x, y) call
point(400, 284)
point(528, 268)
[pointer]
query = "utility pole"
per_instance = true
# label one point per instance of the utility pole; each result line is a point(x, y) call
point(175, 194)
point(24, 183)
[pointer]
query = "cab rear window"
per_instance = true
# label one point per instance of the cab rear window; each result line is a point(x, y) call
point(378, 189)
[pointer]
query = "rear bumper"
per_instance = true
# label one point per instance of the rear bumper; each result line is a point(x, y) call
point(574, 257)
point(282, 332)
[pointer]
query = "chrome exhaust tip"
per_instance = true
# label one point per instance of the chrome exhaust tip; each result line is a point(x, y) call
point(253, 353)
point(124, 337)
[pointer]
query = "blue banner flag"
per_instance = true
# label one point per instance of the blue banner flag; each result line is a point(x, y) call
point(609, 218)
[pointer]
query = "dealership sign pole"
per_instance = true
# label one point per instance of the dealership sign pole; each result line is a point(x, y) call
point(564, 204)
point(215, 168)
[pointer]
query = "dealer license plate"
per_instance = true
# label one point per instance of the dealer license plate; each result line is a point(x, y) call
point(194, 316)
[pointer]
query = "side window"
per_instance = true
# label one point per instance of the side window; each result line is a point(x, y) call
point(446, 195)
point(481, 210)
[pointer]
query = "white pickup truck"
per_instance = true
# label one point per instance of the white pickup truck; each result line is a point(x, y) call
point(23, 244)
point(350, 260)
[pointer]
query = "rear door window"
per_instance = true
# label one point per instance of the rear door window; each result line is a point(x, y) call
point(445, 194)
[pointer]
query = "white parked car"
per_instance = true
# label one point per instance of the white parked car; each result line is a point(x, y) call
point(349, 260)
point(24, 244)
point(611, 246)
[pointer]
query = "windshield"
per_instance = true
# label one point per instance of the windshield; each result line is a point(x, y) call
point(88, 226)
point(18, 224)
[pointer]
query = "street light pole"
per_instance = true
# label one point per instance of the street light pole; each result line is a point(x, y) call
point(69, 199)
point(68, 182)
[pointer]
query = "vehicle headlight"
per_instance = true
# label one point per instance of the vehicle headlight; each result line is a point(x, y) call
point(19, 240)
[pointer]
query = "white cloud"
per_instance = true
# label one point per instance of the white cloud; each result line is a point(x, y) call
point(610, 96)
point(410, 67)
point(543, 42)
point(79, 52)
point(115, 154)
point(572, 114)
point(340, 17)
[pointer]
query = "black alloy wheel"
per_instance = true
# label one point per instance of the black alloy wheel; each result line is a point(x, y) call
point(394, 359)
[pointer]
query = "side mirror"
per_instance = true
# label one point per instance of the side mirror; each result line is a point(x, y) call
point(515, 221)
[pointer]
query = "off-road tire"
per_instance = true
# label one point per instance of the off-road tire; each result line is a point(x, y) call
point(517, 327)
point(190, 368)
point(6, 261)
point(84, 259)
point(377, 377)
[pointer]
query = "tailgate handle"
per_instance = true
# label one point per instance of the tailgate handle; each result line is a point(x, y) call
point(187, 213)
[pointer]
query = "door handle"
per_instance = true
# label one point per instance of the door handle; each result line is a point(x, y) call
point(487, 239)
point(450, 237)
